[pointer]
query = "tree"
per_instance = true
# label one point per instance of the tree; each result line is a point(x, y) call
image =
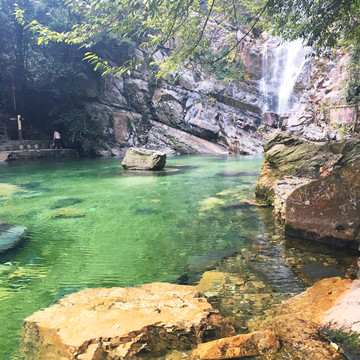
point(320, 23)
point(150, 23)
point(153, 23)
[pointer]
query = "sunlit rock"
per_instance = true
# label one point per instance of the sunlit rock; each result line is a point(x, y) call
point(168, 139)
point(243, 345)
point(122, 323)
point(345, 314)
point(297, 321)
point(143, 159)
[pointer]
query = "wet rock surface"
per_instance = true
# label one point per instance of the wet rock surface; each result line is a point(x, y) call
point(122, 323)
point(254, 302)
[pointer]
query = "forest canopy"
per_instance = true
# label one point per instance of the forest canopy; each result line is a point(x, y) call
point(154, 23)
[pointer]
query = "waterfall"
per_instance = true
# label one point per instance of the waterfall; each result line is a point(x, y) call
point(281, 66)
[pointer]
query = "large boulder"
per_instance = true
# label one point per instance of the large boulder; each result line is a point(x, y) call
point(10, 235)
point(122, 323)
point(314, 187)
point(143, 159)
point(329, 208)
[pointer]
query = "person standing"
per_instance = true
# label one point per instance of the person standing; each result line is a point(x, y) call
point(56, 140)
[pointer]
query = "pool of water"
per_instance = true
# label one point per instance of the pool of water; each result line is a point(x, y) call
point(91, 224)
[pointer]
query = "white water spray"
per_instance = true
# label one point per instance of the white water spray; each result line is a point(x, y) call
point(281, 66)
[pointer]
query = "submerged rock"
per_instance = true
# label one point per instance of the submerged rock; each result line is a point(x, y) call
point(143, 159)
point(68, 214)
point(122, 323)
point(10, 235)
point(7, 190)
point(62, 203)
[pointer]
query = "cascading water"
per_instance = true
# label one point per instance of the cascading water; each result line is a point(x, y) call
point(282, 64)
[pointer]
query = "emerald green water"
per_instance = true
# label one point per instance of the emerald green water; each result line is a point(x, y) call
point(92, 224)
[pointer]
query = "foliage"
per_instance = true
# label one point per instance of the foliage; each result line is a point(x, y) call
point(77, 125)
point(35, 77)
point(151, 23)
point(110, 32)
point(353, 84)
point(222, 68)
point(155, 23)
point(321, 23)
point(349, 341)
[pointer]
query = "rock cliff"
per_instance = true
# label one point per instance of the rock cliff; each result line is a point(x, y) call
point(188, 115)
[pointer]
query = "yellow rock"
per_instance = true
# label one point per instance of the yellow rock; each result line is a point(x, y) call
point(243, 345)
point(226, 192)
point(118, 323)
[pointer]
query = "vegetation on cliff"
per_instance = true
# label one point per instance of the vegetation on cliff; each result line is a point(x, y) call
point(154, 23)
point(44, 66)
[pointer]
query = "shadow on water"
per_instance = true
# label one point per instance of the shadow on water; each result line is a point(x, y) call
point(167, 171)
point(237, 173)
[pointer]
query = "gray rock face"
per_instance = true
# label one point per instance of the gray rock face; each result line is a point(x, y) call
point(271, 119)
point(143, 159)
point(130, 110)
point(10, 235)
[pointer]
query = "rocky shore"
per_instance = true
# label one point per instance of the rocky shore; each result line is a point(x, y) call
point(164, 321)
point(314, 187)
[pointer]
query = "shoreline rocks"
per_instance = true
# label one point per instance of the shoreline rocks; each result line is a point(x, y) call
point(143, 159)
point(122, 323)
point(297, 323)
point(243, 345)
point(314, 188)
